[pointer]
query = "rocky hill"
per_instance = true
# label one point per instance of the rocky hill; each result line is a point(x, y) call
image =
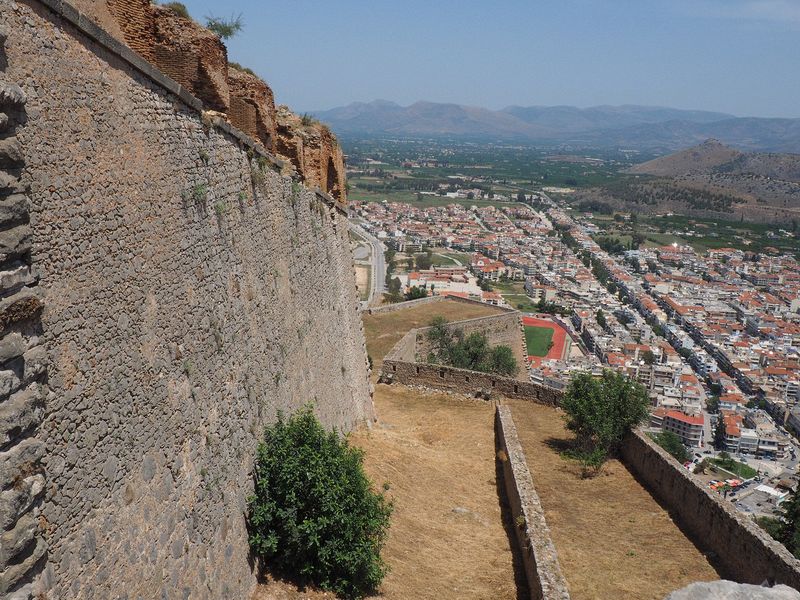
point(712, 179)
point(715, 158)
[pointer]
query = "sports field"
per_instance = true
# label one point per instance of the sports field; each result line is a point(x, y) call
point(539, 333)
point(538, 339)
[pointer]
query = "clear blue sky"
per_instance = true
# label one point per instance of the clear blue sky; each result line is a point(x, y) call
point(737, 56)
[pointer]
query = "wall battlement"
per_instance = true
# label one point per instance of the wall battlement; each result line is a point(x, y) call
point(166, 290)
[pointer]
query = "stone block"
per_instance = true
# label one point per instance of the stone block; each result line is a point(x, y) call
point(20, 413)
point(15, 541)
point(20, 459)
point(13, 209)
point(15, 241)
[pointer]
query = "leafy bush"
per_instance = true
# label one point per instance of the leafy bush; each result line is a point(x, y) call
point(473, 352)
point(601, 411)
point(670, 442)
point(314, 515)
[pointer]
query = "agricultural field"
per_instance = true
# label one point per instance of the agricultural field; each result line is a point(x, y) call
point(701, 233)
point(399, 170)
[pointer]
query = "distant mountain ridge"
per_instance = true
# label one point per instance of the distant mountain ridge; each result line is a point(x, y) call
point(649, 128)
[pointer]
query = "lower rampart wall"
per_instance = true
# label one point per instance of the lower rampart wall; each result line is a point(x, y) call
point(744, 551)
point(462, 381)
point(539, 556)
point(428, 300)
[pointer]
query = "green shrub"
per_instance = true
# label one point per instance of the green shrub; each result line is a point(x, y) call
point(314, 515)
point(600, 411)
point(670, 442)
point(224, 28)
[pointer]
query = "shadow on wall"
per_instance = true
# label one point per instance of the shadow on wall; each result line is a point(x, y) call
point(23, 359)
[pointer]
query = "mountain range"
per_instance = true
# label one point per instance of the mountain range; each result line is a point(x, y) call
point(644, 128)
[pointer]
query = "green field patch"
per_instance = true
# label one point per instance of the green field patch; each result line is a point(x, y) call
point(521, 302)
point(537, 340)
point(734, 467)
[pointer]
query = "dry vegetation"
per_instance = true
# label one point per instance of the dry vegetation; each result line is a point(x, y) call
point(436, 452)
point(613, 539)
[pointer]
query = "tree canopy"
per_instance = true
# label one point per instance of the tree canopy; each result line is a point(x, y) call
point(449, 346)
point(600, 411)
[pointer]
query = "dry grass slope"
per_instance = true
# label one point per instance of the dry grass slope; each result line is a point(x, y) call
point(613, 539)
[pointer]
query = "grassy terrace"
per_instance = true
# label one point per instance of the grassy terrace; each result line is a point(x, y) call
point(613, 539)
point(734, 467)
point(537, 340)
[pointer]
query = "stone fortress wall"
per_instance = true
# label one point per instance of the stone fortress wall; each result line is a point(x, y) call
point(166, 289)
point(539, 556)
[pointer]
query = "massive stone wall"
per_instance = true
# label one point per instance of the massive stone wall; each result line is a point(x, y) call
point(191, 292)
point(744, 550)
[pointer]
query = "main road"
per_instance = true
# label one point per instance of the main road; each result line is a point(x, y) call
point(378, 263)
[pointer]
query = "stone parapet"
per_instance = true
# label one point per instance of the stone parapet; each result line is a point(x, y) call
point(539, 556)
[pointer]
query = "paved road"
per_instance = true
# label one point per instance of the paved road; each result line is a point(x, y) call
point(378, 263)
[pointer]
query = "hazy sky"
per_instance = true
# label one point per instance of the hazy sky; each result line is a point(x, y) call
point(737, 56)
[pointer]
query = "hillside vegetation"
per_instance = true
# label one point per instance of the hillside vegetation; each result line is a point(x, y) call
point(707, 180)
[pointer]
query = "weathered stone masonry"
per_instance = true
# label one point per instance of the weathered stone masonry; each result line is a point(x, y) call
point(539, 556)
point(23, 380)
point(191, 293)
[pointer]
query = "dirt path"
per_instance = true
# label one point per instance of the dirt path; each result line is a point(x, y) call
point(613, 539)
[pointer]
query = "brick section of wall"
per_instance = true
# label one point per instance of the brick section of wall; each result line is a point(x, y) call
point(539, 556)
point(23, 372)
point(180, 65)
point(242, 115)
point(249, 89)
point(135, 19)
point(743, 548)
point(192, 293)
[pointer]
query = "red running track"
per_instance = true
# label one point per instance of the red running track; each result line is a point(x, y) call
point(559, 337)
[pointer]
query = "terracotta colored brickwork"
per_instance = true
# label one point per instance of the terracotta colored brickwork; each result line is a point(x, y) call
point(313, 150)
point(184, 35)
point(251, 90)
point(137, 23)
